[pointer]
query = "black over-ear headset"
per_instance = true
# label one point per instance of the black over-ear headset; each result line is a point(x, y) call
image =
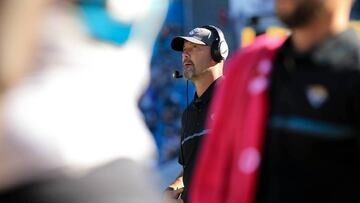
point(219, 47)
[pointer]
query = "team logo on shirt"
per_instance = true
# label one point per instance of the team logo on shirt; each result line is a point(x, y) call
point(317, 95)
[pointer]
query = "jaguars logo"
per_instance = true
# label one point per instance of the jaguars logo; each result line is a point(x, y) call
point(317, 95)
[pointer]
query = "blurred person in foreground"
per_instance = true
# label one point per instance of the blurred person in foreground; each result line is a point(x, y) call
point(287, 115)
point(204, 51)
point(70, 128)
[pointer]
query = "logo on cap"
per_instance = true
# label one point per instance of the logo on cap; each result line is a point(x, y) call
point(200, 32)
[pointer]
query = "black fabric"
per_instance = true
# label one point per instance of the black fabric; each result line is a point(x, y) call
point(304, 162)
point(193, 126)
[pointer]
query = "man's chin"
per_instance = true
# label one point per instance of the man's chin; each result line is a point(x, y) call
point(188, 75)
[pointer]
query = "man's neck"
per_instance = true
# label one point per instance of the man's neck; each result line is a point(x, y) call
point(203, 82)
point(306, 37)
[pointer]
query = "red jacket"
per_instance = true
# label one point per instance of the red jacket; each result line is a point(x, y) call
point(231, 153)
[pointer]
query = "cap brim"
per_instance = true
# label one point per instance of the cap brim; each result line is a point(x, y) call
point(178, 42)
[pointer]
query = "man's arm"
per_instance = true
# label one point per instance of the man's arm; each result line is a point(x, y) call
point(173, 192)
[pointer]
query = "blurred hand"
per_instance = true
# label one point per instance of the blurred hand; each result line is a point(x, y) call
point(172, 196)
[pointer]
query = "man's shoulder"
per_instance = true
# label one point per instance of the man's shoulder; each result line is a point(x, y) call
point(341, 52)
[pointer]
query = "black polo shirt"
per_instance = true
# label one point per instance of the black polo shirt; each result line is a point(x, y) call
point(312, 151)
point(193, 129)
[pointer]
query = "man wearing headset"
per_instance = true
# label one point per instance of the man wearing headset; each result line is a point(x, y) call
point(203, 53)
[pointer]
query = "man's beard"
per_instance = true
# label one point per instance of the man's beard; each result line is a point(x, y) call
point(304, 12)
point(189, 73)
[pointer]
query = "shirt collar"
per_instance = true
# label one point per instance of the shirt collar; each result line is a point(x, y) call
point(206, 96)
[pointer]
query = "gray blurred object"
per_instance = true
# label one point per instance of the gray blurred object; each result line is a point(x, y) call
point(71, 129)
point(116, 182)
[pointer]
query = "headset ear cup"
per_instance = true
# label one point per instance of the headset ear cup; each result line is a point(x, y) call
point(219, 48)
point(223, 50)
point(215, 51)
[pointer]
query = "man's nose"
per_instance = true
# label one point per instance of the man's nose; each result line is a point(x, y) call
point(186, 54)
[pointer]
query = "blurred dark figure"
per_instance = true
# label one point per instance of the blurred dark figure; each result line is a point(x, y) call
point(287, 116)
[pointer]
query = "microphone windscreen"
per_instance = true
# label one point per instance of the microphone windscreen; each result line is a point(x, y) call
point(176, 74)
